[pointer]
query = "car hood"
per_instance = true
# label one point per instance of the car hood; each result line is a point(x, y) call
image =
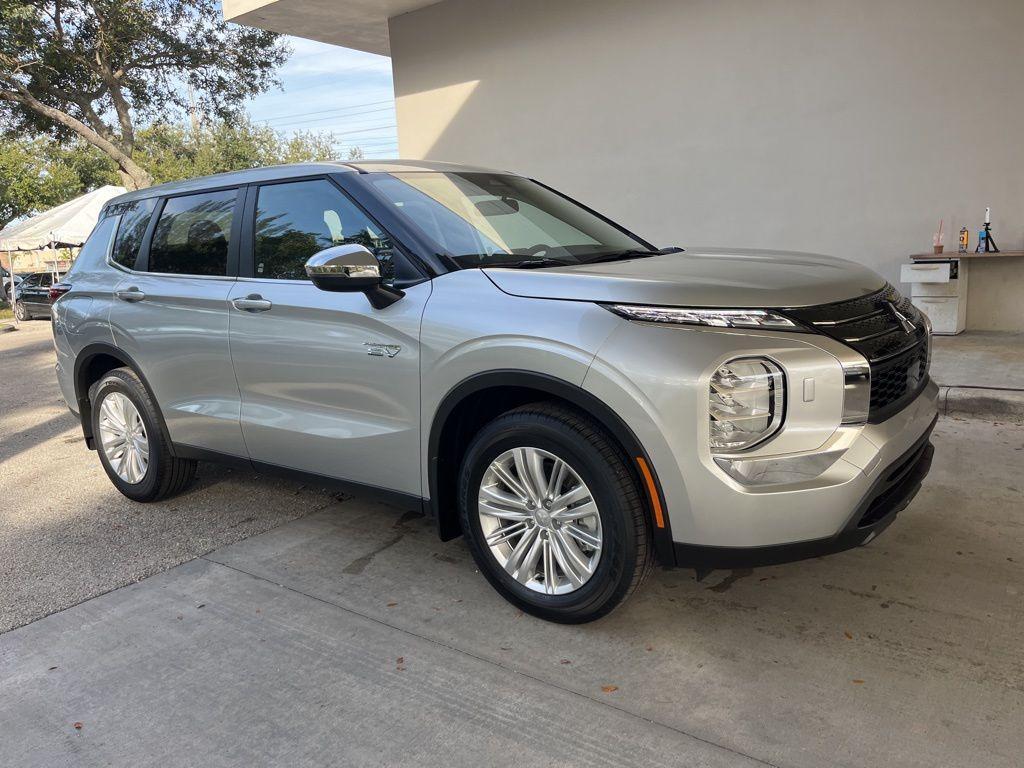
point(705, 277)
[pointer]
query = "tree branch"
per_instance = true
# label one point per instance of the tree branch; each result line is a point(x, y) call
point(81, 100)
point(124, 116)
point(22, 96)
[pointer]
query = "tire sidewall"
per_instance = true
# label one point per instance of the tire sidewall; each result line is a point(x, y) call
point(121, 382)
point(20, 312)
point(618, 545)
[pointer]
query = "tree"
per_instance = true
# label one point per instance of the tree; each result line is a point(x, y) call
point(99, 68)
point(38, 174)
point(173, 152)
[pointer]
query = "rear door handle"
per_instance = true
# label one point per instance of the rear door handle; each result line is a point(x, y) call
point(252, 303)
point(130, 294)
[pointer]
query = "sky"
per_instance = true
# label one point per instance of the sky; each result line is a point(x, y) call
point(338, 90)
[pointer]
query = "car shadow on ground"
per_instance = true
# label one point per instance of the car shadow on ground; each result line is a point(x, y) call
point(19, 442)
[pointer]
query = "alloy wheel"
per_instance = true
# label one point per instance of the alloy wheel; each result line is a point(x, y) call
point(123, 437)
point(540, 521)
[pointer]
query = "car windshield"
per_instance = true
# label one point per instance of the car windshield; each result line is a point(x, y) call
point(490, 219)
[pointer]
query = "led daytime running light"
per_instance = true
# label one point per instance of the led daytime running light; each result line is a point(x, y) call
point(716, 318)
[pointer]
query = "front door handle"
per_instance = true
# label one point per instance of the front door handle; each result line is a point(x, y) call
point(130, 294)
point(252, 303)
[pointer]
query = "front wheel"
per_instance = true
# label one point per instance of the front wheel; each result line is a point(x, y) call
point(21, 312)
point(553, 516)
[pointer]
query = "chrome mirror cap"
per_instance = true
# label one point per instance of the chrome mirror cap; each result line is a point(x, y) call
point(351, 268)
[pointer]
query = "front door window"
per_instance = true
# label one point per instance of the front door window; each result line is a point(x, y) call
point(298, 219)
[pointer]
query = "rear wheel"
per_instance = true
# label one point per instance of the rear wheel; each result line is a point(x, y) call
point(131, 445)
point(553, 516)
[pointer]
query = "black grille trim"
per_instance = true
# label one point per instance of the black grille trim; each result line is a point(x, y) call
point(869, 325)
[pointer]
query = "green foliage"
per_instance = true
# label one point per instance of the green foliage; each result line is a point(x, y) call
point(99, 68)
point(172, 152)
point(39, 174)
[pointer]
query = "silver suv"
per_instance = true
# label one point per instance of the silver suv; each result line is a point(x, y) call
point(576, 402)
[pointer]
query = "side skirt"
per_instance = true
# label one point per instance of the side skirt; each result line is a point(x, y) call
point(376, 493)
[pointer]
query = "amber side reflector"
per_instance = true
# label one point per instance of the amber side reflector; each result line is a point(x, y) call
point(652, 491)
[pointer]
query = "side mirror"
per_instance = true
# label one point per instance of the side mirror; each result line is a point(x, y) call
point(350, 268)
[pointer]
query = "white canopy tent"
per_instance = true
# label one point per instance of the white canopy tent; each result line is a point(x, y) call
point(67, 225)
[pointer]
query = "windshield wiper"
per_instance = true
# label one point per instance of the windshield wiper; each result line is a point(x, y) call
point(634, 253)
point(535, 263)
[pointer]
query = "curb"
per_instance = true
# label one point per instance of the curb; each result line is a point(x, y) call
point(7, 327)
point(1005, 405)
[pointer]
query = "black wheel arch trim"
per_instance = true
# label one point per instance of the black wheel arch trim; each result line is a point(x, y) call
point(82, 360)
point(591, 404)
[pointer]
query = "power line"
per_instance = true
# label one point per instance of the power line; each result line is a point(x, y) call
point(376, 115)
point(340, 130)
point(372, 143)
point(314, 120)
point(342, 134)
point(371, 139)
point(343, 122)
point(367, 130)
point(345, 71)
point(324, 111)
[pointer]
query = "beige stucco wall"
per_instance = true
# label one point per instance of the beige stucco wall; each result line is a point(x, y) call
point(841, 126)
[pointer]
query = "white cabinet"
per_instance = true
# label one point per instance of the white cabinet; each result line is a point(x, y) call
point(947, 313)
point(939, 289)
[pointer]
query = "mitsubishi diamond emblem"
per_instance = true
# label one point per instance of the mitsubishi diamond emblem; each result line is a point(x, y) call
point(904, 321)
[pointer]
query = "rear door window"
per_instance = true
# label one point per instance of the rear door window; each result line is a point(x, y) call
point(135, 216)
point(193, 233)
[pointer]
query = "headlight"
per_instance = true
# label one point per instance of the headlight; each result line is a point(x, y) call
point(928, 341)
point(745, 403)
point(719, 318)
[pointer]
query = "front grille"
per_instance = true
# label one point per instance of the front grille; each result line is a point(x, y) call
point(871, 325)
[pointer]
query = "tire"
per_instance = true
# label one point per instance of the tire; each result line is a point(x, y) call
point(625, 552)
point(164, 475)
point(21, 312)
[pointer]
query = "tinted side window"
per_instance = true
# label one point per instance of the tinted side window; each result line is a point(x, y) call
point(95, 250)
point(297, 219)
point(192, 234)
point(135, 218)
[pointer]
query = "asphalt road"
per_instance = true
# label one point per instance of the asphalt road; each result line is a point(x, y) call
point(351, 636)
point(66, 534)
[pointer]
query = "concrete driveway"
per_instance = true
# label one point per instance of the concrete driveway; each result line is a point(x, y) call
point(350, 636)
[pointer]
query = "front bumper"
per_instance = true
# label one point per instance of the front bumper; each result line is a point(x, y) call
point(799, 491)
point(893, 489)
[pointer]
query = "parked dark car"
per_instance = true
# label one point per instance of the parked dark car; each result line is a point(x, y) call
point(35, 294)
point(5, 283)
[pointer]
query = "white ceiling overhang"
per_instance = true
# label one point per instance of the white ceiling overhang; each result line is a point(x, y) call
point(359, 24)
